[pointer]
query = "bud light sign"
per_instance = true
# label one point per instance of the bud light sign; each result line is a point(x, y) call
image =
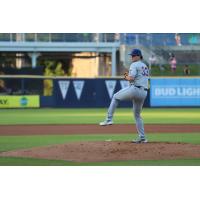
point(175, 92)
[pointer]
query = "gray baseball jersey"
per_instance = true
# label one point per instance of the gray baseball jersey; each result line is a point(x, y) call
point(139, 71)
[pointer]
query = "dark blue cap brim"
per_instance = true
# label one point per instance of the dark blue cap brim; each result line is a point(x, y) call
point(133, 54)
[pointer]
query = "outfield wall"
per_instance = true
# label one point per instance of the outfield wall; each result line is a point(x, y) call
point(86, 93)
point(98, 92)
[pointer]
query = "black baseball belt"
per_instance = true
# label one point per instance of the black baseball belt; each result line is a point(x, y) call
point(141, 87)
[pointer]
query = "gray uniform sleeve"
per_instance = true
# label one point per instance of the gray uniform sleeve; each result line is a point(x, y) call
point(132, 70)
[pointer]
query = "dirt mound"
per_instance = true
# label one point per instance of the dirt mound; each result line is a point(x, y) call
point(110, 151)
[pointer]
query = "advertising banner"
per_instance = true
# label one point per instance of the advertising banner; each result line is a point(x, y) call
point(175, 92)
point(86, 93)
point(27, 101)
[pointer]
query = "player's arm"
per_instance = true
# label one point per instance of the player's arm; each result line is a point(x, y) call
point(132, 72)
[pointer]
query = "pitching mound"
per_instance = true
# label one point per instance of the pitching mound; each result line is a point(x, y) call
point(110, 151)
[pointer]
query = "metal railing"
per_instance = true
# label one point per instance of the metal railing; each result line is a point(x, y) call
point(59, 37)
point(145, 39)
point(160, 39)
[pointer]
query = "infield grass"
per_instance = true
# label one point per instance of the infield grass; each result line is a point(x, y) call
point(41, 162)
point(94, 116)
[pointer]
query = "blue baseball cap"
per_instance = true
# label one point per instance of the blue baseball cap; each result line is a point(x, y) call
point(136, 52)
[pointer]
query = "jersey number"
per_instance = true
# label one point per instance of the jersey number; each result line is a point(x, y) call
point(145, 72)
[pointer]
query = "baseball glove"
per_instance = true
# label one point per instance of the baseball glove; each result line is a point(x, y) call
point(125, 75)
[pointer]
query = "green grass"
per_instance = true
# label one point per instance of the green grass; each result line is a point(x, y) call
point(8, 143)
point(94, 116)
point(188, 162)
point(7, 161)
point(194, 71)
point(4, 161)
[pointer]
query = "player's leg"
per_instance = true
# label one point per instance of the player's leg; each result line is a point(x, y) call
point(124, 94)
point(137, 109)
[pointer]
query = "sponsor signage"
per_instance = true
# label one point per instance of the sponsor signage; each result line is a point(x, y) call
point(28, 101)
point(175, 92)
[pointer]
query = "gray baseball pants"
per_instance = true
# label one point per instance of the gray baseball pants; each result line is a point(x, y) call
point(137, 96)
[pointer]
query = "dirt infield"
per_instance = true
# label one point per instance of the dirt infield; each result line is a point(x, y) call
point(110, 151)
point(94, 129)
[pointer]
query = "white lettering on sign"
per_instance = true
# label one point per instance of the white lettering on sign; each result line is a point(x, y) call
point(177, 91)
point(165, 91)
point(188, 91)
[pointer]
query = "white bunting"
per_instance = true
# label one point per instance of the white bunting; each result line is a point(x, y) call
point(64, 86)
point(124, 84)
point(110, 85)
point(78, 86)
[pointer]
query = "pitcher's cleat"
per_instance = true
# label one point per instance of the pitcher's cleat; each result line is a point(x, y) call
point(140, 140)
point(106, 123)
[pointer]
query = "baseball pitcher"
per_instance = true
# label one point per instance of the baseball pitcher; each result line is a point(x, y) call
point(136, 92)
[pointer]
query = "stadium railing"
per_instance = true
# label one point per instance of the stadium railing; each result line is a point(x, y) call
point(58, 37)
